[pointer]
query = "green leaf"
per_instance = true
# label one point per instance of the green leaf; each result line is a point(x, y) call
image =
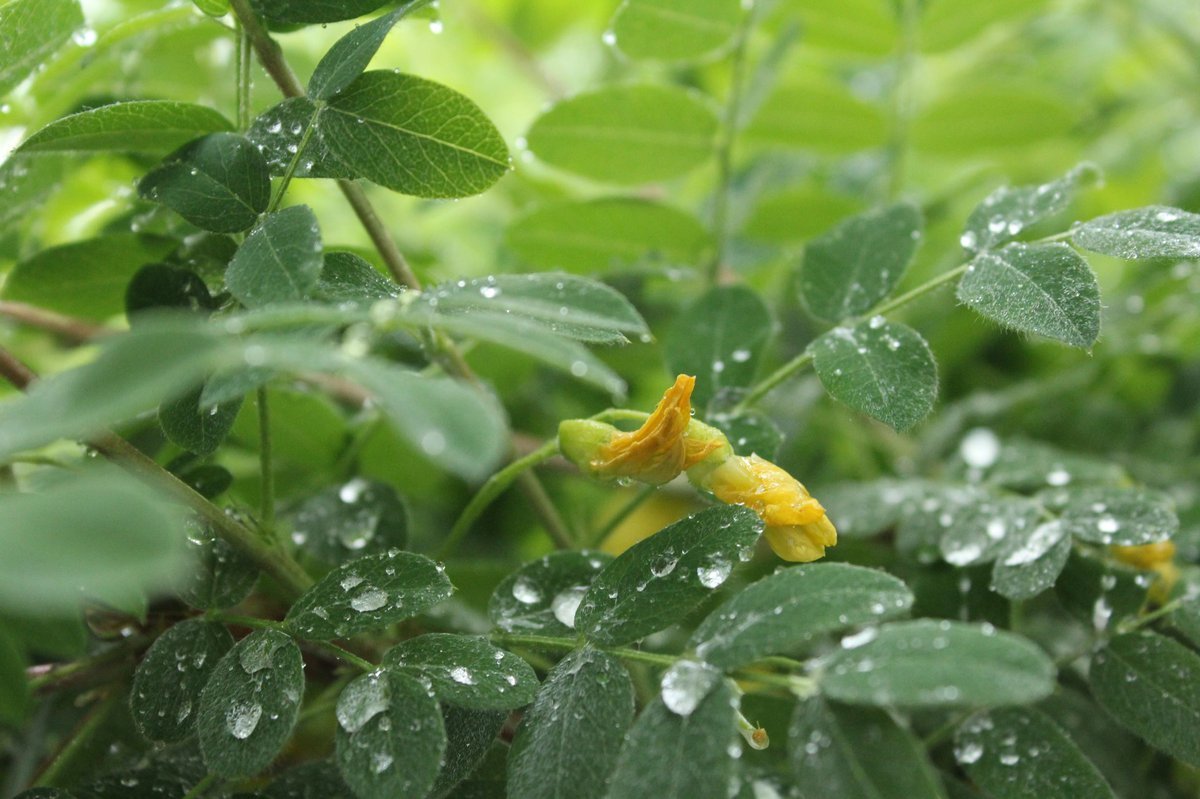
point(195, 427)
point(250, 704)
point(866, 27)
point(218, 182)
point(1186, 619)
point(751, 432)
point(1046, 289)
point(27, 181)
point(160, 286)
point(359, 517)
point(15, 694)
point(351, 54)
point(220, 576)
point(834, 120)
point(656, 581)
point(609, 235)
point(930, 663)
point(33, 31)
point(85, 278)
point(313, 780)
point(390, 736)
point(1154, 232)
point(1028, 465)
point(312, 11)
point(861, 510)
point(277, 134)
point(782, 611)
point(466, 670)
point(167, 684)
point(851, 268)
point(1019, 753)
point(947, 24)
point(1009, 210)
point(136, 126)
point(531, 599)
point(469, 736)
point(1148, 683)
point(413, 136)
point(368, 593)
point(568, 741)
point(1031, 560)
point(279, 261)
point(104, 533)
point(626, 134)
point(720, 340)
point(669, 756)
point(978, 531)
point(1098, 590)
point(880, 368)
point(857, 753)
point(995, 117)
point(1126, 516)
point(675, 30)
point(345, 277)
point(798, 213)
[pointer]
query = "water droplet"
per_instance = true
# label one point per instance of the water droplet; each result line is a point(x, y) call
point(461, 675)
point(566, 603)
point(525, 592)
point(968, 753)
point(371, 599)
point(241, 718)
point(685, 684)
point(980, 448)
point(715, 573)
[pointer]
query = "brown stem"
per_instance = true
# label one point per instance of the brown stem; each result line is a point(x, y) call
point(74, 330)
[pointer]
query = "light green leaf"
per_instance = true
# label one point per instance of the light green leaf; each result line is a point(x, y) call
point(351, 54)
point(277, 133)
point(982, 118)
point(1036, 288)
point(779, 612)
point(857, 753)
point(1154, 232)
point(720, 340)
point(930, 663)
point(833, 121)
point(345, 277)
point(33, 31)
point(196, 427)
point(134, 126)
point(1126, 516)
point(279, 261)
point(85, 278)
point(851, 268)
point(531, 599)
point(220, 576)
point(368, 593)
point(1147, 682)
point(413, 136)
point(359, 517)
point(798, 213)
point(976, 532)
point(866, 27)
point(1007, 211)
point(219, 183)
point(466, 670)
point(308, 12)
point(167, 684)
point(609, 235)
point(27, 181)
point(669, 756)
point(674, 30)
point(568, 741)
point(250, 704)
point(390, 736)
point(105, 534)
point(1019, 753)
point(655, 582)
point(626, 134)
point(883, 369)
point(1031, 560)
point(947, 24)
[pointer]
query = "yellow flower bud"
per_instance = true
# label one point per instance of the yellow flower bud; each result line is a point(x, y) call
point(1157, 557)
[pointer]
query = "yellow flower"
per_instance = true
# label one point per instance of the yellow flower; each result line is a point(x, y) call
point(1157, 557)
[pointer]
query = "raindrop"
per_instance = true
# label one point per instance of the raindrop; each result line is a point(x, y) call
point(685, 684)
point(241, 718)
point(566, 603)
point(371, 599)
point(525, 592)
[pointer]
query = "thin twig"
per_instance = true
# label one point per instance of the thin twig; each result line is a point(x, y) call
point(77, 331)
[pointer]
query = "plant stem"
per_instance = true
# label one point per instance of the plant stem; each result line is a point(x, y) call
point(344, 655)
point(199, 788)
point(86, 671)
point(395, 261)
point(901, 99)
point(266, 517)
point(286, 180)
point(77, 331)
point(919, 291)
point(566, 644)
point(243, 77)
point(77, 743)
point(624, 513)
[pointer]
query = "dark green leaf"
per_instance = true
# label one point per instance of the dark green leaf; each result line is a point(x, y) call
point(466, 670)
point(33, 31)
point(1098, 589)
point(1036, 288)
point(857, 753)
point(568, 741)
point(861, 510)
point(1007, 211)
point(280, 260)
point(469, 735)
point(750, 432)
point(136, 126)
point(674, 30)
point(1018, 753)
point(45, 793)
point(220, 576)
point(390, 736)
point(167, 684)
point(851, 268)
point(14, 686)
point(626, 134)
point(720, 340)
point(1031, 560)
point(1029, 465)
point(413, 136)
point(367, 594)
point(161, 286)
point(277, 133)
point(669, 756)
point(347, 278)
point(883, 369)
point(930, 663)
point(532, 599)
point(218, 183)
point(1187, 620)
point(655, 582)
point(312, 11)
point(359, 517)
point(609, 235)
point(777, 613)
point(1153, 232)
point(250, 704)
point(351, 54)
point(195, 427)
point(1126, 516)
point(316, 780)
point(977, 532)
point(86, 278)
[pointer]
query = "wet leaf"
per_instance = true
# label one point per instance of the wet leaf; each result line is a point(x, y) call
point(165, 695)
point(466, 670)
